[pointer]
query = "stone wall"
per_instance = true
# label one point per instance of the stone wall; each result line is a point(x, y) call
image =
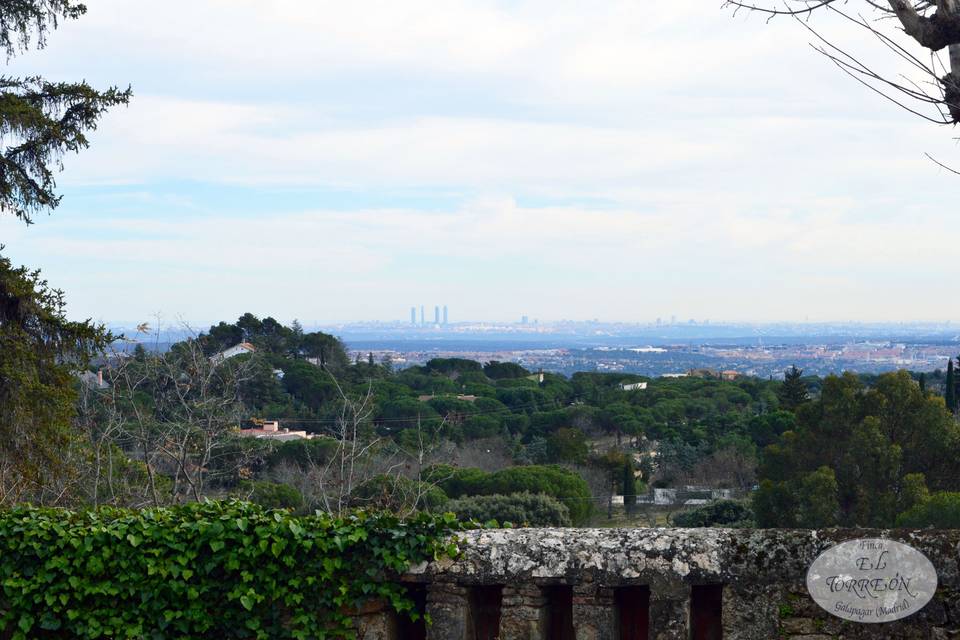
point(697, 583)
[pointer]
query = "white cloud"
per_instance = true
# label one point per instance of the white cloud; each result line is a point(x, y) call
point(726, 169)
point(707, 261)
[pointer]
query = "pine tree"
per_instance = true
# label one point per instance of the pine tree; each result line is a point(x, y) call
point(41, 121)
point(629, 485)
point(793, 391)
point(40, 348)
point(950, 391)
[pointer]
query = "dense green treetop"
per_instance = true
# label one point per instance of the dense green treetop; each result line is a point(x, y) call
point(856, 455)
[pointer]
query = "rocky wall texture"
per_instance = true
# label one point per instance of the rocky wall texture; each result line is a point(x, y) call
point(761, 574)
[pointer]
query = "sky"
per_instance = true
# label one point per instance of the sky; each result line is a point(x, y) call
point(623, 160)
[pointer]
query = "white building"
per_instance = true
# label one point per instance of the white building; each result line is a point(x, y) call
point(235, 350)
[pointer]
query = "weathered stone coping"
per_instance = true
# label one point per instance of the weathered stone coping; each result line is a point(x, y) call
point(752, 581)
point(650, 555)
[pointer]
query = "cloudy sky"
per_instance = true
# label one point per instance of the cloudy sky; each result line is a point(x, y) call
point(334, 161)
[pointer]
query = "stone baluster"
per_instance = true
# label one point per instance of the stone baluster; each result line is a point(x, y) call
point(669, 612)
point(448, 607)
point(375, 621)
point(751, 611)
point(523, 615)
point(594, 612)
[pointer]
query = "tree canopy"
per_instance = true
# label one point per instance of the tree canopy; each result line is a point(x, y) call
point(41, 120)
point(40, 351)
point(858, 456)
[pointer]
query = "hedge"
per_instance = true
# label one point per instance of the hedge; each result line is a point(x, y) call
point(720, 513)
point(557, 482)
point(209, 570)
point(518, 509)
point(940, 510)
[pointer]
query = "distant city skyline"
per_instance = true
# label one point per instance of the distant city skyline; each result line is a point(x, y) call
point(535, 325)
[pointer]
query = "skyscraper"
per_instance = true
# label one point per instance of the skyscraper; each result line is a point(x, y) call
point(413, 315)
point(436, 314)
point(423, 319)
point(445, 317)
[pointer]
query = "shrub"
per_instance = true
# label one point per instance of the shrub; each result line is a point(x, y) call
point(564, 485)
point(273, 495)
point(721, 513)
point(452, 366)
point(567, 445)
point(397, 493)
point(940, 510)
point(455, 481)
point(521, 509)
point(209, 570)
point(476, 427)
point(500, 370)
point(302, 452)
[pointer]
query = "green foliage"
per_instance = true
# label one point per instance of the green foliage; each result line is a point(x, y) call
point(40, 351)
point(21, 21)
point(520, 509)
point(452, 366)
point(819, 506)
point(793, 392)
point(721, 513)
point(564, 485)
point(499, 370)
point(274, 495)
point(310, 384)
point(913, 492)
point(302, 452)
point(629, 485)
point(950, 389)
point(567, 445)
point(940, 510)
point(455, 481)
point(482, 426)
point(398, 494)
point(766, 429)
point(211, 570)
point(41, 121)
point(272, 338)
point(851, 456)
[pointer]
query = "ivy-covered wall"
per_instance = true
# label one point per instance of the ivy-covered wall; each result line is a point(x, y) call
point(212, 570)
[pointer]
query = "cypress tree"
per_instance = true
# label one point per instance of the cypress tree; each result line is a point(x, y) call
point(629, 485)
point(923, 383)
point(950, 392)
point(793, 391)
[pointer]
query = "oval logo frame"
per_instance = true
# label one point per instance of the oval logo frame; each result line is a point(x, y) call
point(872, 580)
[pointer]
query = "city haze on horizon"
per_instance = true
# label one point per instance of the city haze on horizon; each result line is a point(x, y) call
point(620, 162)
point(659, 329)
